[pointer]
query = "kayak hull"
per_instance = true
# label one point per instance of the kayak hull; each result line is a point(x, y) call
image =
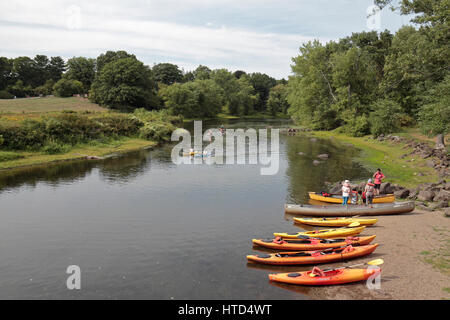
point(335, 222)
point(350, 210)
point(331, 278)
point(300, 245)
point(385, 198)
point(324, 234)
point(310, 257)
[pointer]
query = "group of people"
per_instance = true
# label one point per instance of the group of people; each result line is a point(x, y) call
point(371, 190)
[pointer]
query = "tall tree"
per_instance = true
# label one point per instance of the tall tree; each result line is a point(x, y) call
point(111, 56)
point(81, 69)
point(167, 73)
point(262, 84)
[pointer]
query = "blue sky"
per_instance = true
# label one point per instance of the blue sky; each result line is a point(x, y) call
point(255, 36)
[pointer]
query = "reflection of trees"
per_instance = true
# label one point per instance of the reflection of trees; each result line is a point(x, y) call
point(53, 174)
point(304, 176)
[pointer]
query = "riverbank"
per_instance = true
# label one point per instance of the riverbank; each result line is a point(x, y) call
point(396, 159)
point(416, 263)
point(78, 152)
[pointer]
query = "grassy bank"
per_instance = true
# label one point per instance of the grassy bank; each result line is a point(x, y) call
point(97, 149)
point(408, 171)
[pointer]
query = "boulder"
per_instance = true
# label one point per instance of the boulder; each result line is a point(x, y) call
point(425, 195)
point(423, 207)
point(386, 188)
point(440, 205)
point(402, 194)
point(413, 194)
point(443, 195)
point(447, 212)
point(316, 162)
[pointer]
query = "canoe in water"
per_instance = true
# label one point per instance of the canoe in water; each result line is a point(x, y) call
point(335, 222)
point(384, 198)
point(331, 277)
point(313, 257)
point(323, 234)
point(350, 210)
point(311, 244)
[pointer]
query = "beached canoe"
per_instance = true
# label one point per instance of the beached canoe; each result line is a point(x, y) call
point(323, 234)
point(384, 198)
point(331, 277)
point(313, 257)
point(311, 244)
point(335, 222)
point(350, 210)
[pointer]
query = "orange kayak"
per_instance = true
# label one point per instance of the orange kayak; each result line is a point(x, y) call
point(313, 257)
point(331, 277)
point(312, 244)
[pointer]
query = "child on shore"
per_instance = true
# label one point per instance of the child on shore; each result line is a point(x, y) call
point(345, 192)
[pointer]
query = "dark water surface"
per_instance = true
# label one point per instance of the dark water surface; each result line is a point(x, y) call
point(141, 227)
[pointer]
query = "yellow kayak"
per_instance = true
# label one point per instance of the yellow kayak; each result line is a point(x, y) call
point(335, 222)
point(324, 233)
point(385, 198)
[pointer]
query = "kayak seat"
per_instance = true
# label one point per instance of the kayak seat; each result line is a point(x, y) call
point(264, 256)
point(297, 254)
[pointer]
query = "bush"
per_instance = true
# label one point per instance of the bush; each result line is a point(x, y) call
point(53, 147)
point(9, 156)
point(67, 88)
point(157, 131)
point(384, 119)
point(357, 127)
point(5, 95)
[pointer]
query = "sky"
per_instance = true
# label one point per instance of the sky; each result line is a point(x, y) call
point(249, 35)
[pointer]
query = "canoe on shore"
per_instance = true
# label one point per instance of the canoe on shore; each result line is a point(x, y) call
point(336, 222)
point(313, 257)
point(384, 198)
point(350, 210)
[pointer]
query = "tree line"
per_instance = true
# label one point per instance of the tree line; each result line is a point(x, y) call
point(373, 82)
point(118, 80)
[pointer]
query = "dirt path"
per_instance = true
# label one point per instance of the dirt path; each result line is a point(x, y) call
point(405, 242)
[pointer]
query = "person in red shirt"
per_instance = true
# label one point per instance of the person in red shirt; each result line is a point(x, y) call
point(378, 176)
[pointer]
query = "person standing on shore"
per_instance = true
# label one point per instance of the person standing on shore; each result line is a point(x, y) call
point(378, 176)
point(369, 191)
point(345, 192)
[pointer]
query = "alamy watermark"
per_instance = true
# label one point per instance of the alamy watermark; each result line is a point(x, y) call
point(235, 147)
point(374, 281)
point(74, 280)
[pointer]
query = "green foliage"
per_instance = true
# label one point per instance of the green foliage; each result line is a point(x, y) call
point(125, 83)
point(9, 156)
point(262, 84)
point(434, 117)
point(111, 56)
point(277, 101)
point(200, 98)
point(81, 69)
point(66, 88)
point(5, 95)
point(167, 73)
point(357, 126)
point(20, 90)
point(157, 131)
point(383, 119)
point(53, 147)
point(46, 89)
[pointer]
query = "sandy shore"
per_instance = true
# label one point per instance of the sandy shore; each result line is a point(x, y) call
point(405, 242)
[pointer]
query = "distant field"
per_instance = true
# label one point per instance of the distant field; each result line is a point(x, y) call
point(47, 104)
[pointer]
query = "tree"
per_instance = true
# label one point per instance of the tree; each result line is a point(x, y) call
point(6, 66)
point(202, 73)
point(434, 117)
point(167, 73)
point(24, 69)
point(199, 98)
point(262, 84)
point(67, 88)
point(125, 83)
point(111, 56)
point(56, 68)
point(81, 69)
point(239, 73)
point(277, 101)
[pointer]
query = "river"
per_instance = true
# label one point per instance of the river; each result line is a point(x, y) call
point(140, 227)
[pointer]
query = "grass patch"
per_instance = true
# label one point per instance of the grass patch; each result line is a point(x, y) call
point(47, 104)
point(387, 156)
point(93, 148)
point(9, 156)
point(440, 259)
point(425, 253)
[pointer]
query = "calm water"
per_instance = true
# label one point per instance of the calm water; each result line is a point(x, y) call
point(140, 227)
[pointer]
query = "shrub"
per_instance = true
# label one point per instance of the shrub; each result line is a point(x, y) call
point(157, 131)
point(357, 126)
point(5, 95)
point(9, 156)
point(53, 147)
